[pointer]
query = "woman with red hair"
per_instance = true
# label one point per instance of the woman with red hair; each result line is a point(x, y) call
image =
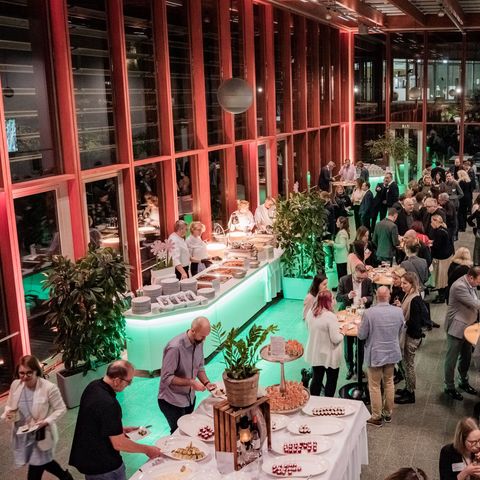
point(324, 345)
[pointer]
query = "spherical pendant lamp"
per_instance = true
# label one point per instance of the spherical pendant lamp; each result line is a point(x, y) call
point(414, 93)
point(235, 95)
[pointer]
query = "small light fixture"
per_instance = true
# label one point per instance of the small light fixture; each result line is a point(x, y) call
point(441, 12)
point(355, 89)
point(328, 15)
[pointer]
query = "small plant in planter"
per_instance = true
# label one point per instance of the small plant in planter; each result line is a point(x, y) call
point(86, 311)
point(240, 358)
point(163, 254)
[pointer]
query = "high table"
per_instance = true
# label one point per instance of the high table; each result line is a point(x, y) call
point(346, 457)
point(472, 333)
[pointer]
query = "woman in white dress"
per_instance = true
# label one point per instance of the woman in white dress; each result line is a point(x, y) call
point(198, 248)
point(33, 407)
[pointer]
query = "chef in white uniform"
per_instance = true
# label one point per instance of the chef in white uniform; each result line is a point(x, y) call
point(241, 220)
point(265, 214)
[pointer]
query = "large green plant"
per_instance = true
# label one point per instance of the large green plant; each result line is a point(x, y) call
point(241, 355)
point(299, 228)
point(86, 308)
point(388, 145)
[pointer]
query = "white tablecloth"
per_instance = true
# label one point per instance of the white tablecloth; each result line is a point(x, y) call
point(345, 458)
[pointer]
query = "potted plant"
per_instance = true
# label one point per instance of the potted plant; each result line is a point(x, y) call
point(299, 228)
point(240, 357)
point(85, 309)
point(164, 265)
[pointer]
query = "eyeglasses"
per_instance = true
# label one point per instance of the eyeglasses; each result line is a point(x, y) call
point(28, 373)
point(473, 442)
point(128, 382)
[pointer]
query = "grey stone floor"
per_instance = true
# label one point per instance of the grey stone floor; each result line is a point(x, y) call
point(414, 437)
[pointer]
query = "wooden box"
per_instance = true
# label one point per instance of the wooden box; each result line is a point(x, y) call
point(226, 422)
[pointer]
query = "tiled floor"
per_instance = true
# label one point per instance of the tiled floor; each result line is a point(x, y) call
point(414, 437)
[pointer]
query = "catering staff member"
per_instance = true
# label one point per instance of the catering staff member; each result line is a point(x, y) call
point(197, 248)
point(183, 372)
point(180, 254)
point(265, 214)
point(241, 220)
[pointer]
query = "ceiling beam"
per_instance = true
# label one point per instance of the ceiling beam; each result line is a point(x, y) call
point(453, 8)
point(369, 15)
point(405, 23)
point(411, 10)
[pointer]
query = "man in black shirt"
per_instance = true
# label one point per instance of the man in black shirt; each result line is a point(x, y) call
point(99, 435)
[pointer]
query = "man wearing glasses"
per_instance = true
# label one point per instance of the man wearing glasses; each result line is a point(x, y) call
point(99, 435)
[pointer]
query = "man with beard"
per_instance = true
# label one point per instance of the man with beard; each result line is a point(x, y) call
point(183, 372)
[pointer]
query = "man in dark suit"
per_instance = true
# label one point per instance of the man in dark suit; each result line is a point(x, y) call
point(325, 177)
point(378, 204)
point(365, 210)
point(354, 290)
point(392, 193)
point(405, 219)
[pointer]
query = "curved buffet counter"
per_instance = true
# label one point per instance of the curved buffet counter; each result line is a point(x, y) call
point(234, 304)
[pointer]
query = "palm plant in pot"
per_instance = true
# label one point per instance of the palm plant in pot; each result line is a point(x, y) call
point(85, 309)
point(240, 358)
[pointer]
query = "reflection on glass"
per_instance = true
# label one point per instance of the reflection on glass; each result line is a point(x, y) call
point(183, 167)
point(263, 174)
point(279, 70)
point(149, 210)
point(311, 28)
point(38, 239)
point(442, 144)
point(444, 91)
point(241, 173)
point(472, 144)
point(410, 169)
point(299, 160)
point(364, 133)
point(180, 74)
point(211, 65)
point(258, 18)
point(92, 82)
point(295, 71)
point(472, 78)
point(238, 60)
point(141, 78)
point(324, 49)
point(216, 169)
point(6, 357)
point(334, 74)
point(369, 77)
point(282, 170)
point(104, 214)
point(407, 77)
point(27, 88)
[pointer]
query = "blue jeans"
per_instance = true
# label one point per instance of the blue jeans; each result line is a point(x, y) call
point(118, 474)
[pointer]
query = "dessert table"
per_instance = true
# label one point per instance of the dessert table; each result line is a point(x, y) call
point(345, 458)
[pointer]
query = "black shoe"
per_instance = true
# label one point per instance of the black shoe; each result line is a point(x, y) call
point(349, 374)
point(400, 391)
point(407, 397)
point(439, 299)
point(398, 377)
point(435, 324)
point(452, 393)
point(466, 387)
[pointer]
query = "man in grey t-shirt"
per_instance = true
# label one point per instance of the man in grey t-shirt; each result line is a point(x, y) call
point(183, 372)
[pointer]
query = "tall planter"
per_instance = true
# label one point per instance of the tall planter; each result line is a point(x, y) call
point(241, 393)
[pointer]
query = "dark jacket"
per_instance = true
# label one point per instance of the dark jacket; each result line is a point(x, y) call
point(366, 203)
point(466, 200)
point(345, 286)
point(417, 265)
point(427, 219)
point(330, 223)
point(474, 220)
point(448, 457)
point(380, 193)
point(417, 319)
point(340, 203)
point(404, 222)
point(391, 194)
point(450, 217)
point(324, 179)
point(396, 293)
point(442, 247)
point(385, 237)
point(455, 271)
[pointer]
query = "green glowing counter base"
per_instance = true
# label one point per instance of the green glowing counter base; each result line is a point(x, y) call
point(235, 303)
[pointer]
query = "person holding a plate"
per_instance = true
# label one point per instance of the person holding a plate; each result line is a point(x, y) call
point(33, 407)
point(183, 372)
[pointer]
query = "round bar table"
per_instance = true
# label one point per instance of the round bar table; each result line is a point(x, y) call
point(343, 183)
point(472, 333)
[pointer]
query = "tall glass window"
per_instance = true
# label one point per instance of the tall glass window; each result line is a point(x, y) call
point(216, 166)
point(312, 28)
point(279, 70)
point(282, 168)
point(443, 143)
point(141, 78)
point(444, 90)
point(472, 78)
point(335, 75)
point(258, 18)
point(6, 357)
point(295, 72)
point(369, 77)
point(238, 60)
point(299, 160)
point(27, 88)
point(406, 94)
point(472, 144)
point(92, 82)
point(211, 65)
point(180, 74)
point(184, 188)
point(364, 133)
point(241, 173)
point(263, 172)
point(324, 49)
point(38, 239)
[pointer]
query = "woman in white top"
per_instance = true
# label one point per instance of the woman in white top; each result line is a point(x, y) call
point(319, 284)
point(265, 214)
point(241, 220)
point(197, 248)
point(324, 345)
point(340, 246)
point(181, 253)
point(34, 402)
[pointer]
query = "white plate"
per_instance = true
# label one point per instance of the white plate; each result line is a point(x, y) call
point(135, 435)
point(317, 425)
point(279, 421)
point(169, 471)
point(20, 430)
point(191, 424)
point(167, 444)
point(310, 465)
point(323, 443)
point(307, 409)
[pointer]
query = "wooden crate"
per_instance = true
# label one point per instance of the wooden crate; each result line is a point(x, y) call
point(226, 421)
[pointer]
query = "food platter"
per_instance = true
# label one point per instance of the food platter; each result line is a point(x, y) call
point(309, 465)
point(265, 354)
point(325, 411)
point(316, 426)
point(281, 441)
point(192, 424)
point(181, 448)
point(278, 398)
point(278, 422)
point(169, 471)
